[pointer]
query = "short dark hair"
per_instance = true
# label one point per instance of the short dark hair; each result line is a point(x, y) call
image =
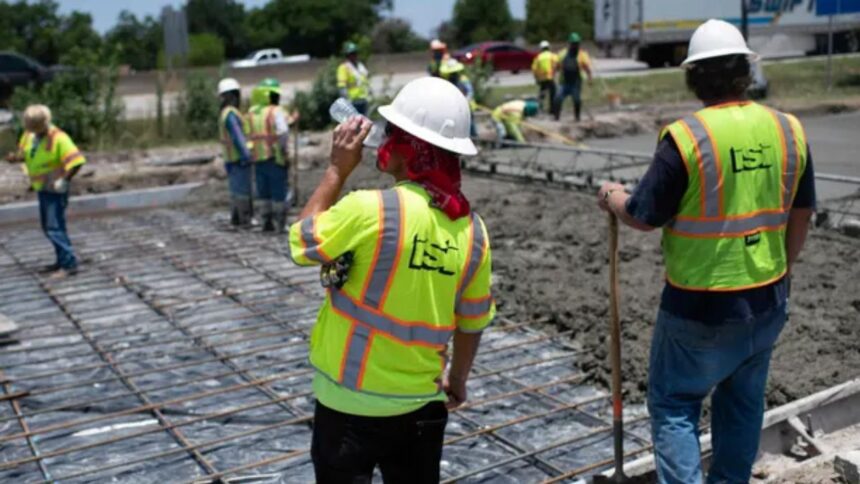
point(719, 78)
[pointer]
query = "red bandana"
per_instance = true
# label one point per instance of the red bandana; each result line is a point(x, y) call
point(435, 169)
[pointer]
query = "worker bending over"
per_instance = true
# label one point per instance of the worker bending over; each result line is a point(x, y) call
point(51, 160)
point(233, 130)
point(407, 269)
point(270, 138)
point(544, 67)
point(574, 67)
point(353, 80)
point(733, 188)
point(509, 116)
point(438, 57)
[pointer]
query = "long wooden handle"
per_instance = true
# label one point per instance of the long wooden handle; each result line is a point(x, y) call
point(615, 347)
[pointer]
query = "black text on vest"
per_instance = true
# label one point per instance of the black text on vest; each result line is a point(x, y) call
point(430, 256)
point(751, 159)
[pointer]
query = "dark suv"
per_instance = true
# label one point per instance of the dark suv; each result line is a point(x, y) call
point(20, 70)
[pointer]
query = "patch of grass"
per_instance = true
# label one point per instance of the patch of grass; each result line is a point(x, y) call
point(803, 80)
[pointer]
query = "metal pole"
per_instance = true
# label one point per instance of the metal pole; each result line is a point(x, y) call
point(830, 53)
point(745, 24)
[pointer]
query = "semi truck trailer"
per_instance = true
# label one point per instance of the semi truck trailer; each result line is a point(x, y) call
point(657, 31)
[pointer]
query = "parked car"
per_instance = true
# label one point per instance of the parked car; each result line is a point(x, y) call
point(503, 56)
point(266, 57)
point(20, 70)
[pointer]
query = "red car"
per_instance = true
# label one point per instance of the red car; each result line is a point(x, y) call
point(504, 56)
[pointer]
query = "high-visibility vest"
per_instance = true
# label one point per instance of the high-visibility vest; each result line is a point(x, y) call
point(231, 154)
point(582, 58)
point(544, 66)
point(415, 278)
point(744, 163)
point(264, 136)
point(511, 112)
point(435, 66)
point(55, 155)
point(353, 78)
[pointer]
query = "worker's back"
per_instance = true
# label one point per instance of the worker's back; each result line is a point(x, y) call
point(416, 276)
point(743, 163)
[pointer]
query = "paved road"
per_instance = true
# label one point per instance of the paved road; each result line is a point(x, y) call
point(832, 139)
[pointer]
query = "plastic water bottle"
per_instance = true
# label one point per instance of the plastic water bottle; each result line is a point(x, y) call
point(341, 110)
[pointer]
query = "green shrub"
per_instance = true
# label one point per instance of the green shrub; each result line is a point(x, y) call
point(205, 50)
point(83, 100)
point(313, 105)
point(197, 107)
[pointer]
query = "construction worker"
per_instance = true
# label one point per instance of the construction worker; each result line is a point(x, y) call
point(407, 270)
point(544, 67)
point(353, 81)
point(439, 56)
point(510, 115)
point(454, 71)
point(269, 128)
point(574, 67)
point(51, 161)
point(233, 130)
point(733, 188)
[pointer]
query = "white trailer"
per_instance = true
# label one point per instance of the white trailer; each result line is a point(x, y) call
point(658, 30)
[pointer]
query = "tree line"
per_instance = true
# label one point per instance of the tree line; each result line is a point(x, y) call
point(226, 29)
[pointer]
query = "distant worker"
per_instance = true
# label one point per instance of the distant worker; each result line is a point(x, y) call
point(574, 67)
point(269, 126)
point(233, 131)
point(733, 188)
point(353, 81)
point(51, 160)
point(407, 271)
point(544, 67)
point(454, 71)
point(439, 56)
point(509, 116)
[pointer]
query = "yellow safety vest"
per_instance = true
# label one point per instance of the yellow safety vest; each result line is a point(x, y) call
point(544, 66)
point(511, 112)
point(416, 276)
point(582, 58)
point(744, 163)
point(264, 137)
point(354, 79)
point(231, 154)
point(55, 155)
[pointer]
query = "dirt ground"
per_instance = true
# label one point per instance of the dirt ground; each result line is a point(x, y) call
point(550, 264)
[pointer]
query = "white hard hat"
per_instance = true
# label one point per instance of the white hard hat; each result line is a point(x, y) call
point(437, 44)
point(435, 111)
point(227, 85)
point(716, 38)
point(544, 44)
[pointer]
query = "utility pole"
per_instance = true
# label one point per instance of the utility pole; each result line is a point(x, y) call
point(745, 28)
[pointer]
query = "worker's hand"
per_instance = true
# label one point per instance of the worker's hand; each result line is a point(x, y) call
point(602, 201)
point(455, 389)
point(294, 116)
point(347, 144)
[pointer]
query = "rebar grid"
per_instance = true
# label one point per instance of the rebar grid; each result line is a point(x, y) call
point(224, 367)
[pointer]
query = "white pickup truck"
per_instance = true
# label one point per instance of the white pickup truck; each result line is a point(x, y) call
point(267, 57)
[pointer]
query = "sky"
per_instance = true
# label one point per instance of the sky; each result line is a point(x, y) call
point(425, 15)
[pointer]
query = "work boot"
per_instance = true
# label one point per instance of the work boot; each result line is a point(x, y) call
point(577, 110)
point(235, 218)
point(266, 216)
point(245, 210)
point(279, 217)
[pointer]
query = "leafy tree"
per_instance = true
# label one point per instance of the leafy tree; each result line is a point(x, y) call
point(198, 108)
point(138, 41)
point(205, 50)
point(394, 35)
point(37, 29)
point(556, 19)
point(313, 105)
point(317, 27)
point(479, 20)
point(224, 18)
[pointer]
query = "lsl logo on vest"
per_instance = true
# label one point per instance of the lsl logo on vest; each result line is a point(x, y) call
point(751, 159)
point(430, 256)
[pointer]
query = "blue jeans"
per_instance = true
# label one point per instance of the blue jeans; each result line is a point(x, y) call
point(52, 214)
point(573, 90)
point(688, 360)
point(239, 178)
point(271, 181)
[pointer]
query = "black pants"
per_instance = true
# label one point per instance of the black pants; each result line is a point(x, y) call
point(547, 88)
point(407, 448)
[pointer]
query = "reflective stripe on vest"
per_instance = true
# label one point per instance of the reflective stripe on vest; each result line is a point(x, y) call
point(367, 316)
point(231, 154)
point(264, 138)
point(714, 223)
point(465, 307)
point(312, 250)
